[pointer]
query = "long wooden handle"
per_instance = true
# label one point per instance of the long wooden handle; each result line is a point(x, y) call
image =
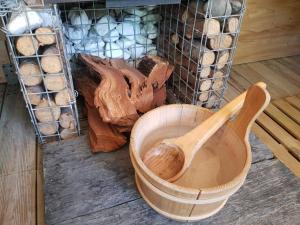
point(254, 104)
point(191, 142)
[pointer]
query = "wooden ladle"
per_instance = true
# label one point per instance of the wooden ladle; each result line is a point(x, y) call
point(172, 157)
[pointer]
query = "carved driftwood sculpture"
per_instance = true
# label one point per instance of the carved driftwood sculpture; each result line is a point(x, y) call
point(103, 136)
point(121, 96)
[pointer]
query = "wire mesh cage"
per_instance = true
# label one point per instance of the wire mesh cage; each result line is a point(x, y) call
point(199, 37)
point(7, 5)
point(37, 49)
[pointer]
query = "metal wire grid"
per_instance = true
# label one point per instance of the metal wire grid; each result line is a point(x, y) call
point(6, 5)
point(186, 80)
point(131, 32)
point(17, 58)
point(9, 5)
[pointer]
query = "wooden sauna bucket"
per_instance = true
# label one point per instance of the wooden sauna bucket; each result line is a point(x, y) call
point(218, 170)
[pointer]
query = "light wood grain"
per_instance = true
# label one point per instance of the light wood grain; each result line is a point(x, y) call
point(18, 198)
point(17, 152)
point(215, 185)
point(4, 59)
point(40, 200)
point(18, 173)
point(253, 76)
point(2, 95)
point(291, 126)
point(276, 77)
point(279, 150)
point(172, 157)
point(288, 109)
point(294, 101)
point(270, 29)
point(287, 71)
point(280, 134)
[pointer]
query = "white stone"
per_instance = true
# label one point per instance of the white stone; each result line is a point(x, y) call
point(153, 18)
point(78, 17)
point(125, 42)
point(105, 24)
point(137, 51)
point(112, 36)
point(19, 23)
point(48, 19)
point(129, 29)
point(76, 35)
point(132, 18)
point(143, 40)
point(136, 11)
point(152, 52)
point(112, 50)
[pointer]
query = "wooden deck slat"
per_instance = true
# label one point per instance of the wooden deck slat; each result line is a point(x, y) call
point(18, 198)
point(291, 62)
point(286, 122)
point(279, 150)
point(253, 77)
point(18, 173)
point(17, 138)
point(288, 109)
point(40, 201)
point(294, 101)
point(2, 94)
point(275, 78)
point(283, 71)
point(280, 134)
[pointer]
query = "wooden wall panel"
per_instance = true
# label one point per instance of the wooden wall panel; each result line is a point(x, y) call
point(271, 29)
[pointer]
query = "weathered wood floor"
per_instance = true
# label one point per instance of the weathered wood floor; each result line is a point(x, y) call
point(82, 188)
point(20, 173)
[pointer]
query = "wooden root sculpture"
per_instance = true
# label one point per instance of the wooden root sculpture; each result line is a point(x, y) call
point(121, 96)
point(112, 95)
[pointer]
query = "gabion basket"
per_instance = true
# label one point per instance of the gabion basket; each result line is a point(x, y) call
point(37, 49)
point(198, 37)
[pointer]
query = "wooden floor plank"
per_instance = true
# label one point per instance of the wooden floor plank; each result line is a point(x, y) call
point(275, 78)
point(253, 77)
point(4, 59)
point(230, 93)
point(279, 150)
point(18, 198)
point(240, 82)
point(2, 94)
point(292, 62)
point(269, 196)
point(40, 201)
point(17, 138)
point(283, 120)
point(283, 71)
point(279, 134)
point(79, 183)
point(294, 101)
point(291, 111)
